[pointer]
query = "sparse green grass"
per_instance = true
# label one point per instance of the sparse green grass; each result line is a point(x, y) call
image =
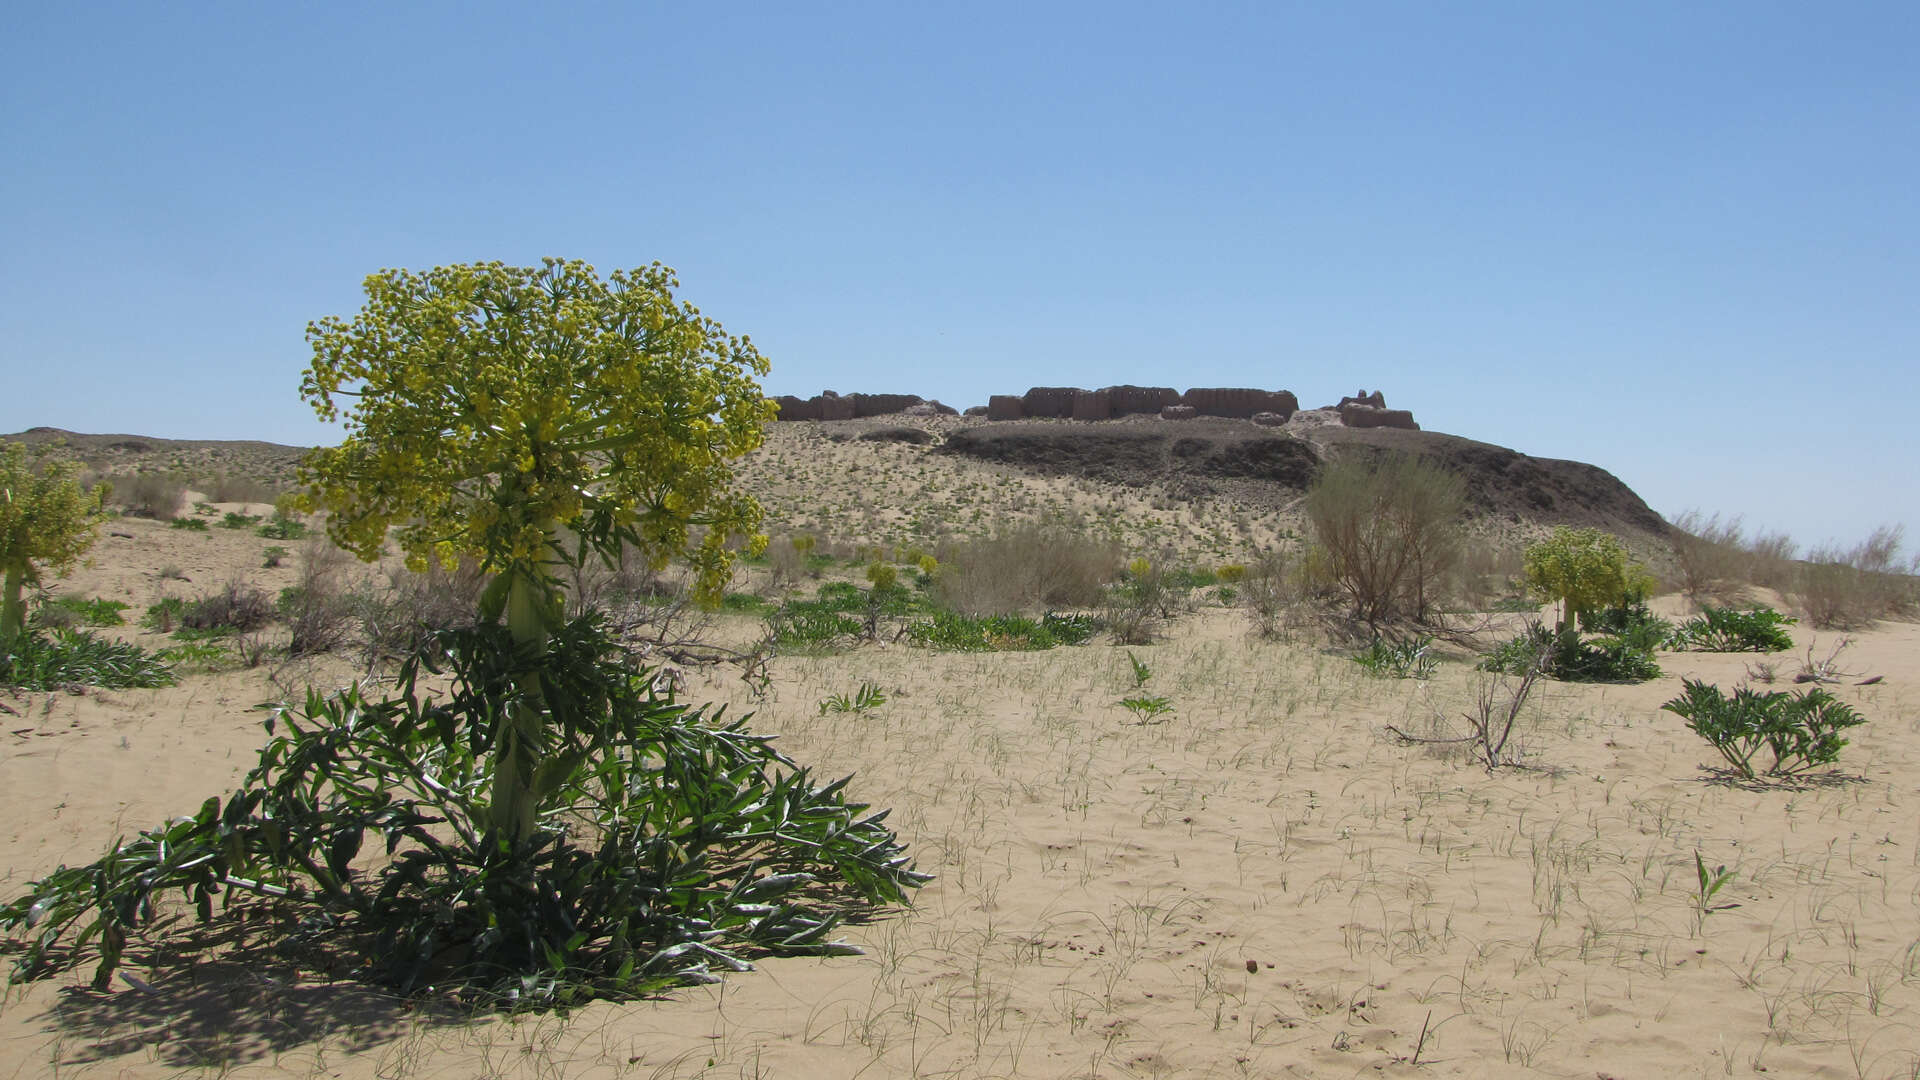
point(91, 611)
point(52, 661)
point(1000, 633)
point(282, 528)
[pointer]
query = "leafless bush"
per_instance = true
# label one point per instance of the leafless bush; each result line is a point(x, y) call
point(252, 650)
point(316, 608)
point(1496, 707)
point(1840, 588)
point(396, 621)
point(1390, 527)
point(1495, 712)
point(1275, 595)
point(1827, 668)
point(228, 488)
point(1027, 566)
point(786, 562)
point(148, 494)
point(236, 606)
point(598, 585)
point(1770, 560)
point(1711, 556)
point(1485, 574)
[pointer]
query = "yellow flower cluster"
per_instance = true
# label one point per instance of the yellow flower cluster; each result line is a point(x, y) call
point(499, 405)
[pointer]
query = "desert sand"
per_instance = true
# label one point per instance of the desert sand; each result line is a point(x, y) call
point(1263, 883)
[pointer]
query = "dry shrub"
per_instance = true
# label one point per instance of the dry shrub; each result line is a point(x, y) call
point(235, 606)
point(785, 562)
point(148, 494)
point(1770, 560)
point(1391, 529)
point(597, 584)
point(228, 488)
point(1025, 567)
point(1485, 574)
point(396, 622)
point(1271, 593)
point(1710, 556)
point(1840, 588)
point(316, 608)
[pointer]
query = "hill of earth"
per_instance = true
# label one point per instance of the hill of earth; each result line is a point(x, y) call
point(1208, 487)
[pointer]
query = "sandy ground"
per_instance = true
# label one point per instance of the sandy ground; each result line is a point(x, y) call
point(1265, 884)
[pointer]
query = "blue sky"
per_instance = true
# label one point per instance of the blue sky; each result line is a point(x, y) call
point(1681, 242)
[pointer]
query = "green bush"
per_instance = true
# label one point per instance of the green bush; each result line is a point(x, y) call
point(745, 603)
point(1566, 656)
point(1631, 622)
point(164, 615)
point(1000, 633)
point(237, 520)
point(1801, 731)
point(282, 527)
point(1583, 570)
point(1728, 630)
point(1186, 577)
point(197, 653)
point(1412, 659)
point(36, 661)
point(192, 524)
point(91, 611)
point(809, 628)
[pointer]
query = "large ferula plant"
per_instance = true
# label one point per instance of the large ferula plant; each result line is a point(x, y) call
point(493, 406)
point(45, 518)
point(554, 826)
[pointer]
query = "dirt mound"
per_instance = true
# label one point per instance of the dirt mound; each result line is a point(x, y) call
point(1208, 456)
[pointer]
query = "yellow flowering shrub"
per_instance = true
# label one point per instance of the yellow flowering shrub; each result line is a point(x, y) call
point(487, 406)
point(46, 519)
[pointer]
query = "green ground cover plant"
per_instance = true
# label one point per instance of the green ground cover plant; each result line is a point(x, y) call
point(1410, 659)
point(1147, 709)
point(1566, 655)
point(1761, 630)
point(63, 658)
point(90, 610)
point(1631, 622)
point(282, 527)
point(1800, 731)
point(864, 700)
point(955, 632)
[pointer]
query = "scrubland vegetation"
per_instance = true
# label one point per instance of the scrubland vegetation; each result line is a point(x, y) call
point(1177, 787)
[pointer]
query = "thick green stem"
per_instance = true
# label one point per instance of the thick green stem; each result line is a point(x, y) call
point(518, 748)
point(13, 610)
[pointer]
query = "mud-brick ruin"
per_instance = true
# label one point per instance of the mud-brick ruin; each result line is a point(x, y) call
point(1270, 408)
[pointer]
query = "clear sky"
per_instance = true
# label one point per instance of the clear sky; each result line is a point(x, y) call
point(1681, 242)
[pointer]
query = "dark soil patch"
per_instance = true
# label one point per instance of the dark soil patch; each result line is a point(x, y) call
point(1208, 455)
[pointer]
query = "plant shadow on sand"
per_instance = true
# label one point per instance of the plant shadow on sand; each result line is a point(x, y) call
point(1823, 781)
point(251, 1001)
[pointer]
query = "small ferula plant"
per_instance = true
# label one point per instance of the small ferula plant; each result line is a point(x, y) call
point(1800, 731)
point(591, 836)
